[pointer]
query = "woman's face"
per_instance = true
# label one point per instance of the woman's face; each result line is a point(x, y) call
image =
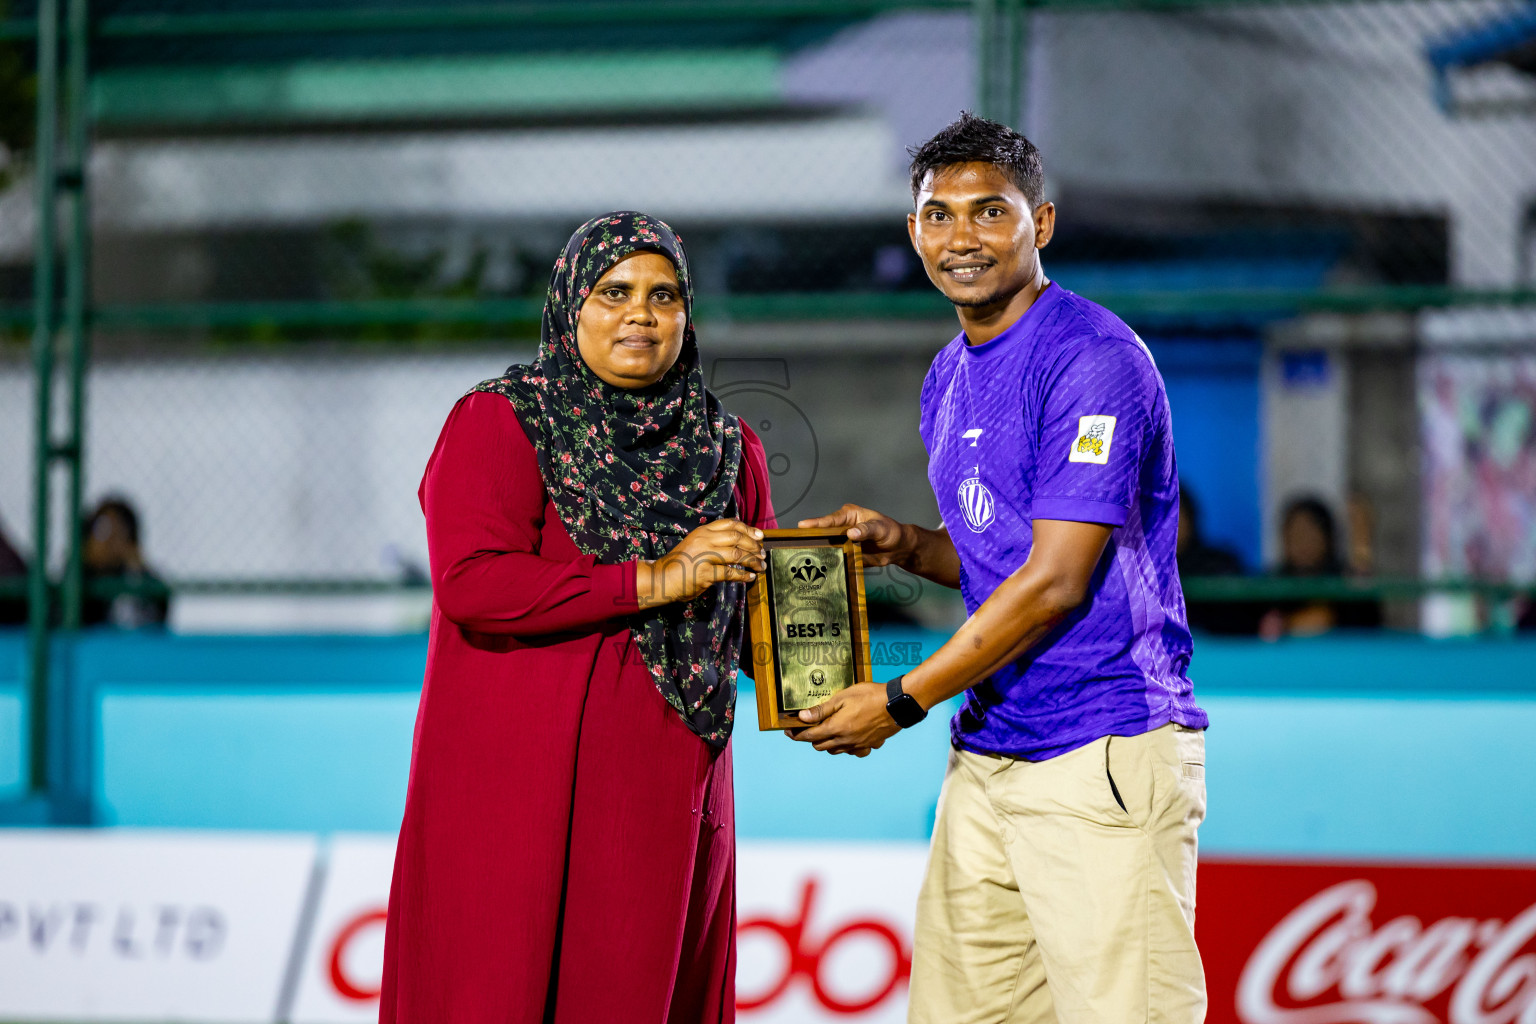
point(630, 329)
point(109, 544)
point(1303, 544)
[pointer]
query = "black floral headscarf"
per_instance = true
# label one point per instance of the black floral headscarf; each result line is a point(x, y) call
point(633, 471)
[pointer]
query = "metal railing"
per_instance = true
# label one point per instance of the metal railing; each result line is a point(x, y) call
point(1131, 305)
point(1215, 589)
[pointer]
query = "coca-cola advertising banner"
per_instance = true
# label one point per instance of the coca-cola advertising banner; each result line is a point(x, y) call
point(159, 927)
point(1293, 943)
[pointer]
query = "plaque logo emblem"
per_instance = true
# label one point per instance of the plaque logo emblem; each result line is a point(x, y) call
point(976, 504)
point(818, 678)
point(807, 575)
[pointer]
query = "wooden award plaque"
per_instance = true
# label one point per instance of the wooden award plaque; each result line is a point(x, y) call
point(810, 630)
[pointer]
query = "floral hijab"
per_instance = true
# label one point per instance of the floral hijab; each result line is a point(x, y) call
point(631, 472)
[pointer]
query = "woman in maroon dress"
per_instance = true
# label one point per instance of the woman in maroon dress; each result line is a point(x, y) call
point(568, 847)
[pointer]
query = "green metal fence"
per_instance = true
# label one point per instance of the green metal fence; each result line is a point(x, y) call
point(1379, 166)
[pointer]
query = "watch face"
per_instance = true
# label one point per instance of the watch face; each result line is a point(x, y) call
point(906, 710)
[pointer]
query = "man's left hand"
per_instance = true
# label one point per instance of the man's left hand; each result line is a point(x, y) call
point(853, 721)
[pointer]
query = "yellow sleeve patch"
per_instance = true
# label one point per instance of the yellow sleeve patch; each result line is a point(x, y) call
point(1094, 435)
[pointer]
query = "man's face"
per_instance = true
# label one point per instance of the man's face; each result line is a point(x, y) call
point(976, 234)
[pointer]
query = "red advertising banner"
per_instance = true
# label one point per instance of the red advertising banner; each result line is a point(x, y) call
point(1310, 943)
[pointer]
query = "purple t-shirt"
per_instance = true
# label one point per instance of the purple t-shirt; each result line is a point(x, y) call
point(1064, 416)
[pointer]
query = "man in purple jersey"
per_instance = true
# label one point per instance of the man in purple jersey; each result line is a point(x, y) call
point(1061, 882)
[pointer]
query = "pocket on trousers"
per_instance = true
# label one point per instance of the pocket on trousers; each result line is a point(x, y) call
point(1109, 777)
point(1191, 749)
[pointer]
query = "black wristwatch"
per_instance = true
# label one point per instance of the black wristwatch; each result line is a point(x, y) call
point(902, 706)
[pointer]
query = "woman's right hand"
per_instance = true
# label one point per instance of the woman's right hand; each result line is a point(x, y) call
point(724, 551)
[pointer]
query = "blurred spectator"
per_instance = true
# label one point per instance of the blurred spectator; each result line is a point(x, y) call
point(13, 570)
point(111, 554)
point(1361, 515)
point(1198, 557)
point(1309, 546)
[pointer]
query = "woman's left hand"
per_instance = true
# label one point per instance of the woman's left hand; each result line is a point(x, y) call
point(724, 551)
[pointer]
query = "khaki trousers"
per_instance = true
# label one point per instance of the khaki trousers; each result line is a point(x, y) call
point(1063, 891)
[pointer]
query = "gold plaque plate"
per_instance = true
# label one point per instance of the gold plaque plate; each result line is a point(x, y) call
point(810, 631)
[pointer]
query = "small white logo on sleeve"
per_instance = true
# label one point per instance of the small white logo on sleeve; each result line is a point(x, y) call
point(973, 435)
point(1094, 433)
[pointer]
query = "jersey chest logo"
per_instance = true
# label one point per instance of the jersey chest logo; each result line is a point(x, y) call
point(976, 504)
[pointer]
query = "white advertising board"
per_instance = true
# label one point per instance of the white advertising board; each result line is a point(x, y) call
point(339, 979)
point(126, 926)
point(825, 932)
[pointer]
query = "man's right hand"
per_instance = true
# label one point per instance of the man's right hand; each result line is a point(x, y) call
point(884, 540)
point(927, 553)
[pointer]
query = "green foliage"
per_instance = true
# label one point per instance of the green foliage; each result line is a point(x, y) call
point(357, 266)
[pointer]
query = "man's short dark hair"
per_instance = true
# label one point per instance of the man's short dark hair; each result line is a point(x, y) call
point(970, 139)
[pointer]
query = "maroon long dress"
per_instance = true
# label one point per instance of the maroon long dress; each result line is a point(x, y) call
point(568, 847)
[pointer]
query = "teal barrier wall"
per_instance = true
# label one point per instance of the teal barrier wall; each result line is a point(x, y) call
point(13, 727)
point(1380, 745)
